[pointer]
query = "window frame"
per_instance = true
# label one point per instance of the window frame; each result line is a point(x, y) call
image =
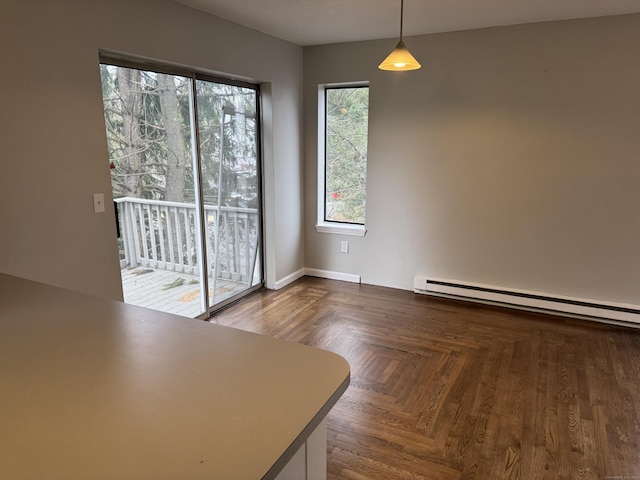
point(322, 224)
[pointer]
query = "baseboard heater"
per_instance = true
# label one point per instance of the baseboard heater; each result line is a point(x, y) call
point(620, 314)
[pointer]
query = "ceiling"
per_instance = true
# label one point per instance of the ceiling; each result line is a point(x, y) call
point(316, 22)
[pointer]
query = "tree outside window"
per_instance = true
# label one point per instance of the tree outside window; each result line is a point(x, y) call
point(346, 133)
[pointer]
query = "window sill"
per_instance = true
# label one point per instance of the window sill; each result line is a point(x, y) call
point(342, 229)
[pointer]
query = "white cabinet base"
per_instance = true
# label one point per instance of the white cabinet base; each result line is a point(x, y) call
point(310, 461)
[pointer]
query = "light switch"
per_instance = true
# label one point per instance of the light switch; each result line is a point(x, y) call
point(98, 203)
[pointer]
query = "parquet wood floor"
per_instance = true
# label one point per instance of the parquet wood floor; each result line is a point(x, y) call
point(445, 390)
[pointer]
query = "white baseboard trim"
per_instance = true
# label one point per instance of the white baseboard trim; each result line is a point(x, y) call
point(609, 312)
point(289, 279)
point(345, 277)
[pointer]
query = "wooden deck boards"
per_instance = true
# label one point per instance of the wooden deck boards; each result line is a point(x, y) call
point(172, 292)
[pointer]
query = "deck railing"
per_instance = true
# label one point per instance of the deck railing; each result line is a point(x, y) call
point(163, 235)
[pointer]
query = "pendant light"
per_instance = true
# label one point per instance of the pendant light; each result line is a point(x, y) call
point(400, 59)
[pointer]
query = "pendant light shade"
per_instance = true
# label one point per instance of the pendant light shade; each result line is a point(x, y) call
point(400, 59)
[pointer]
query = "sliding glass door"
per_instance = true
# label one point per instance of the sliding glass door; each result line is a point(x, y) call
point(185, 174)
point(228, 145)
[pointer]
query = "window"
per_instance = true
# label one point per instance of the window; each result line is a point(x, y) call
point(185, 175)
point(342, 154)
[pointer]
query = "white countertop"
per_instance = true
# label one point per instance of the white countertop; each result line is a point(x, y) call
point(97, 389)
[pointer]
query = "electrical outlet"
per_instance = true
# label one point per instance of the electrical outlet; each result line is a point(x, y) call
point(344, 246)
point(98, 203)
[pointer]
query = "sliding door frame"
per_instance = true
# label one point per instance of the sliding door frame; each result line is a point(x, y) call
point(127, 61)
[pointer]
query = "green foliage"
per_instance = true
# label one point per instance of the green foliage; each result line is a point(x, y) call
point(347, 115)
point(139, 159)
point(227, 123)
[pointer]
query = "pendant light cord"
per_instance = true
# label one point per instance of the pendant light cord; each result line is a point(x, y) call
point(401, 15)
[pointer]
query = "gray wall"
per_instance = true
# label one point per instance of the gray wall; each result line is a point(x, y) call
point(54, 154)
point(511, 159)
